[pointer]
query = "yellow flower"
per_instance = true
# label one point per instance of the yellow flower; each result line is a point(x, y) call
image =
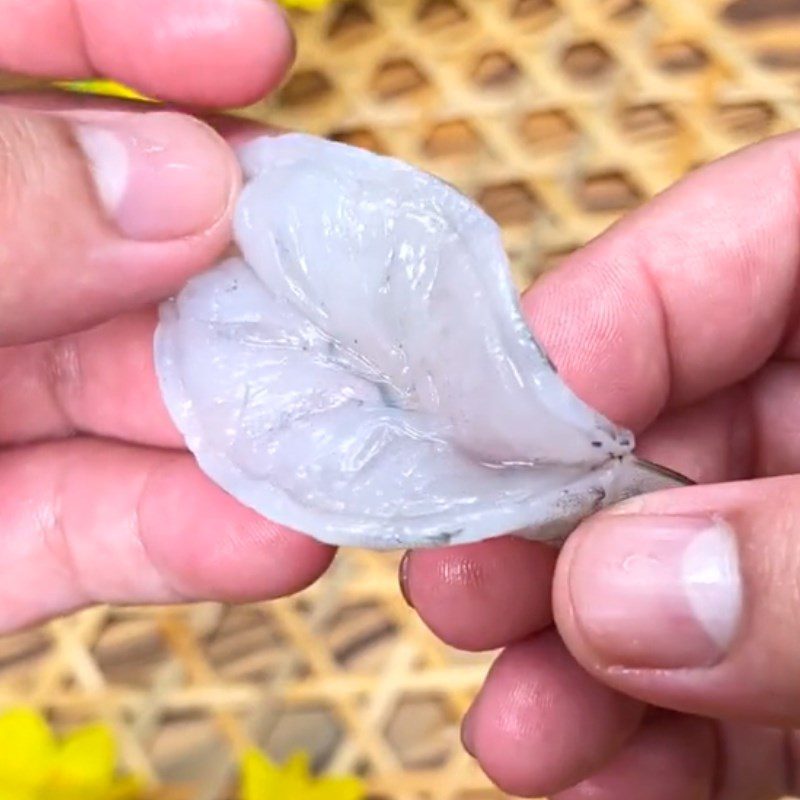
point(263, 780)
point(37, 766)
point(307, 5)
point(101, 87)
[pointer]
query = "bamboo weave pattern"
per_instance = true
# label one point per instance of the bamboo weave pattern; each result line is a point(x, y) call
point(558, 116)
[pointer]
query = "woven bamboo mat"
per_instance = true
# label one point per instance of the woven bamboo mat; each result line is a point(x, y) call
point(558, 116)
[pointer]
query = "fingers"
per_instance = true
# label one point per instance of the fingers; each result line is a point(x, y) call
point(755, 762)
point(690, 294)
point(669, 758)
point(85, 521)
point(489, 595)
point(691, 599)
point(674, 757)
point(744, 431)
point(541, 724)
point(101, 381)
point(105, 212)
point(483, 596)
point(220, 53)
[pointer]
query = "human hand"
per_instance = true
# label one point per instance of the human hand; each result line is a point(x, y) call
point(674, 673)
point(105, 210)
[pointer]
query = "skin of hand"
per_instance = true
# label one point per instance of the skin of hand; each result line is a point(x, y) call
point(657, 657)
point(105, 209)
point(673, 611)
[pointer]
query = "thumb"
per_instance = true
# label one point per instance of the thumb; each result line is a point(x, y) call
point(690, 599)
point(104, 211)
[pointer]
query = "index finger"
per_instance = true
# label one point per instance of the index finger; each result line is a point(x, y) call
point(209, 53)
point(688, 295)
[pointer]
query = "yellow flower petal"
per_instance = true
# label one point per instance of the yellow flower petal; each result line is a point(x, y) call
point(84, 766)
point(127, 788)
point(346, 788)
point(16, 794)
point(298, 767)
point(262, 780)
point(307, 5)
point(28, 749)
point(101, 87)
point(35, 766)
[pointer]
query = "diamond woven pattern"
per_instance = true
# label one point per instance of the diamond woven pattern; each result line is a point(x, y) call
point(557, 116)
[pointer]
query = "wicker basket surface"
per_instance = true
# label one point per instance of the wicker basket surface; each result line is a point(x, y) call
point(558, 116)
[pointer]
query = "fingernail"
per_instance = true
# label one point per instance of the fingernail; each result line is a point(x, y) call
point(158, 176)
point(657, 592)
point(403, 578)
